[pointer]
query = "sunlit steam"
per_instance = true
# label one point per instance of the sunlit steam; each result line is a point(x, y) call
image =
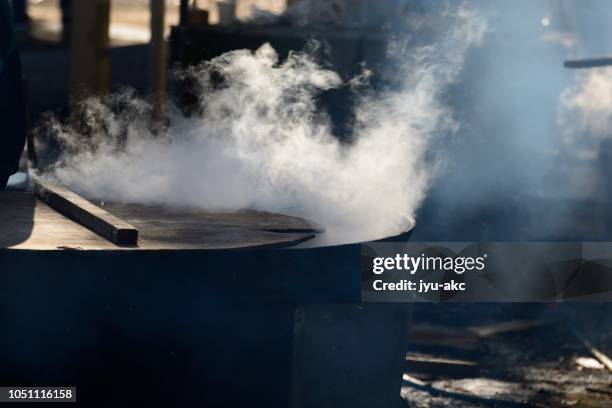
point(586, 111)
point(259, 140)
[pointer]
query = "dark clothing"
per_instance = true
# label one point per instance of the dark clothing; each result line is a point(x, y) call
point(12, 99)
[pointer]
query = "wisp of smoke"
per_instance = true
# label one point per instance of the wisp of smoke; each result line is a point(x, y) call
point(585, 111)
point(585, 106)
point(259, 141)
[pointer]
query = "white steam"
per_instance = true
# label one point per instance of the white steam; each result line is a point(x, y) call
point(585, 119)
point(260, 142)
point(585, 113)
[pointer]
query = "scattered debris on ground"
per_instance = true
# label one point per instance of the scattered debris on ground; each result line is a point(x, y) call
point(544, 355)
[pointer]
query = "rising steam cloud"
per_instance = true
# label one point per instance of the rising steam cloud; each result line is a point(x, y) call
point(259, 140)
point(585, 112)
point(531, 160)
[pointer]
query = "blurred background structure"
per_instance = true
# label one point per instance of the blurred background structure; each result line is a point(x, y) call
point(45, 31)
point(102, 45)
point(116, 33)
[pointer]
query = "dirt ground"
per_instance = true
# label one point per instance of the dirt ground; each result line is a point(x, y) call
point(503, 355)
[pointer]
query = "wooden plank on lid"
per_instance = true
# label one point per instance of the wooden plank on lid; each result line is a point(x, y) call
point(78, 209)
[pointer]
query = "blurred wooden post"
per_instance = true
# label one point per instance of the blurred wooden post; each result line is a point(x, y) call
point(183, 13)
point(158, 58)
point(90, 61)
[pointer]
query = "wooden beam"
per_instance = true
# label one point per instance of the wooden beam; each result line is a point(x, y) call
point(183, 13)
point(90, 61)
point(437, 366)
point(78, 209)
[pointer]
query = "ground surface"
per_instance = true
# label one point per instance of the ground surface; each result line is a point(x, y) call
point(496, 355)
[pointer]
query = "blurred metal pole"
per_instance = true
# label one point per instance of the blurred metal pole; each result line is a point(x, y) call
point(588, 63)
point(158, 58)
point(90, 60)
